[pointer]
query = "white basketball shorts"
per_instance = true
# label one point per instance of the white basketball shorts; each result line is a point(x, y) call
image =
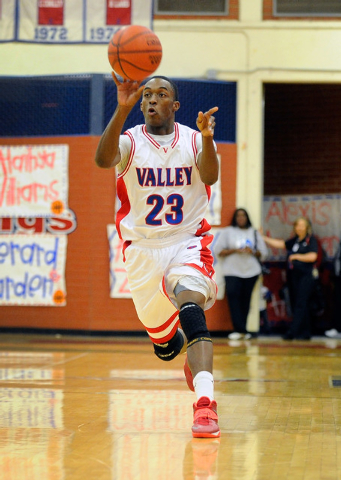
point(154, 267)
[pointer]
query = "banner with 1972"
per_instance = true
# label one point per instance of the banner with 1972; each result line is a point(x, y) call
point(71, 21)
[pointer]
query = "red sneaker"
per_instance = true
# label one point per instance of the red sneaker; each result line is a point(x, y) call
point(188, 375)
point(205, 423)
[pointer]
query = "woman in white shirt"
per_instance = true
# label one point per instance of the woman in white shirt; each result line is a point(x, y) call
point(240, 248)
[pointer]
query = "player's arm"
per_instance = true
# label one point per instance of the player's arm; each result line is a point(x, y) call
point(108, 153)
point(208, 161)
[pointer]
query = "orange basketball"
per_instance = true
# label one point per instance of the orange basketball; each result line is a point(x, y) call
point(134, 52)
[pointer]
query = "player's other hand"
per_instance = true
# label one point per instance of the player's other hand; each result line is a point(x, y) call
point(206, 122)
point(128, 91)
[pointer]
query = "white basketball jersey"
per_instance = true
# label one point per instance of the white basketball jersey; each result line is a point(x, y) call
point(160, 189)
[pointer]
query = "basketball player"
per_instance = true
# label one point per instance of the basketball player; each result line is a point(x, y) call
point(164, 170)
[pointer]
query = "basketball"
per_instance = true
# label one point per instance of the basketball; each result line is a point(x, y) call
point(134, 52)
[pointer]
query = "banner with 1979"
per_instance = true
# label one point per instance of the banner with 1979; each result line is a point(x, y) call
point(71, 21)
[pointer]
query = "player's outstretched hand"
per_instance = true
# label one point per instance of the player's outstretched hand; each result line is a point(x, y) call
point(206, 123)
point(128, 91)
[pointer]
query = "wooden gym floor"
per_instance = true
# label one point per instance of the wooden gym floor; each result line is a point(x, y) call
point(105, 408)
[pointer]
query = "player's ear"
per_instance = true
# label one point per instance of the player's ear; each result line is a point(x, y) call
point(141, 106)
point(176, 106)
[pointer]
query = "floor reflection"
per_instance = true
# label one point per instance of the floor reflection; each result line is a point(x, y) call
point(108, 410)
point(32, 434)
point(200, 459)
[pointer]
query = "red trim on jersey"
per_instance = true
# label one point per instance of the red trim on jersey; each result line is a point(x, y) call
point(195, 151)
point(176, 136)
point(155, 143)
point(125, 245)
point(131, 155)
point(206, 257)
point(204, 227)
point(125, 203)
point(164, 288)
point(194, 146)
point(206, 270)
point(151, 139)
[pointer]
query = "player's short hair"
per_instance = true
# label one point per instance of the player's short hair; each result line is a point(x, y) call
point(172, 84)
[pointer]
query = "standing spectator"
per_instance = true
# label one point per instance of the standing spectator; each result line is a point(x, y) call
point(302, 251)
point(335, 331)
point(240, 247)
point(264, 298)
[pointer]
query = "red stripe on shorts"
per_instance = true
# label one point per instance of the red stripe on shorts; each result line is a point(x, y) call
point(162, 328)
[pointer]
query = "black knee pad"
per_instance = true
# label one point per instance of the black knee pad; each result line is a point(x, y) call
point(169, 350)
point(193, 322)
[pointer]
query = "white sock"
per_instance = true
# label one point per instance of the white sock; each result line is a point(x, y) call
point(203, 385)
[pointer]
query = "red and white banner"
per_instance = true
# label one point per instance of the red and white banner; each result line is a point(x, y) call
point(57, 225)
point(104, 17)
point(7, 21)
point(32, 270)
point(75, 21)
point(323, 211)
point(33, 180)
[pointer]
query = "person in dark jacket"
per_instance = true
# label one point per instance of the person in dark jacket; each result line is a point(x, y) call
point(302, 251)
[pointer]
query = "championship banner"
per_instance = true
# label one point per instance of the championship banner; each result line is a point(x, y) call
point(78, 21)
point(7, 20)
point(323, 211)
point(103, 18)
point(32, 270)
point(50, 21)
point(33, 180)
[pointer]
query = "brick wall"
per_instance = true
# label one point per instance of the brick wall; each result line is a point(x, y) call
point(268, 14)
point(92, 198)
point(233, 14)
point(302, 139)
